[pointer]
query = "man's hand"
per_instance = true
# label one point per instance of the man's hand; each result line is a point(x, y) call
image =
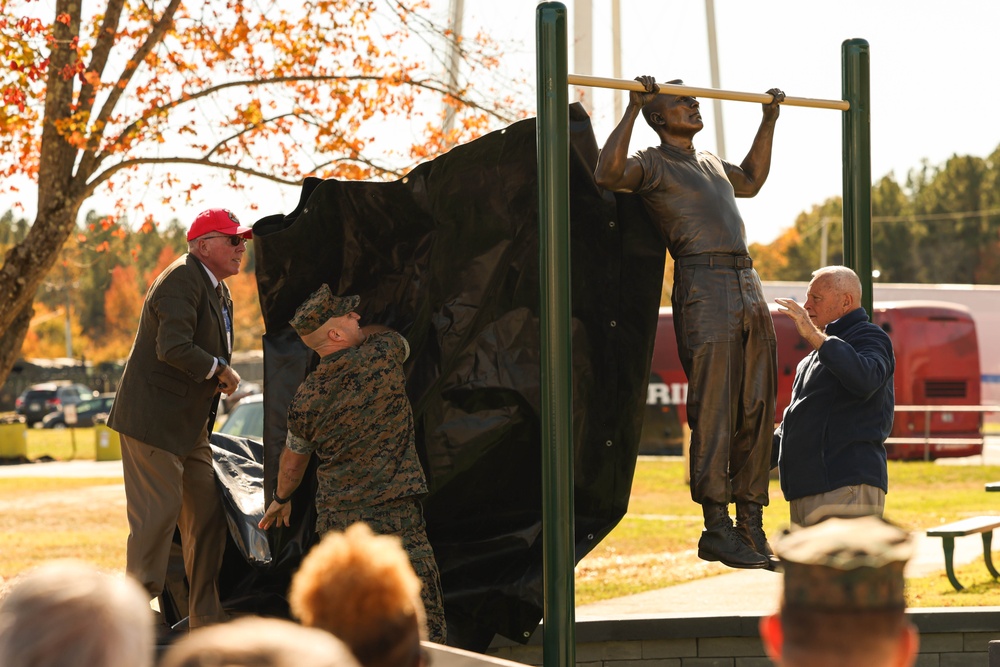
point(642, 99)
point(276, 515)
point(803, 324)
point(772, 109)
point(228, 380)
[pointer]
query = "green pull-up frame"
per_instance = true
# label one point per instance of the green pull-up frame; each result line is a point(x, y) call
point(559, 643)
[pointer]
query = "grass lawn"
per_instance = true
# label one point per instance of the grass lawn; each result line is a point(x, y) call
point(654, 546)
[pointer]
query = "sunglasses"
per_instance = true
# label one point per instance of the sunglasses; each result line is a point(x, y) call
point(234, 239)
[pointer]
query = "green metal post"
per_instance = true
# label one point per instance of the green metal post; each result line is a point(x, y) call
point(858, 166)
point(559, 641)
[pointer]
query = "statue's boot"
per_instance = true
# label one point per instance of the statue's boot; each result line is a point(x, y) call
point(720, 541)
point(750, 528)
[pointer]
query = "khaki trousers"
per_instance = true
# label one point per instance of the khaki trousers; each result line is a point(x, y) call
point(854, 499)
point(162, 491)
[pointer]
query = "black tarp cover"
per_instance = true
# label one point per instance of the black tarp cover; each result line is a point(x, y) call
point(449, 256)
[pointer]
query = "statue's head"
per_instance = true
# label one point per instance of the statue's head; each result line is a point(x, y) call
point(674, 113)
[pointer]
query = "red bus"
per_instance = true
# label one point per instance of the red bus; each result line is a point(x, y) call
point(937, 368)
point(937, 374)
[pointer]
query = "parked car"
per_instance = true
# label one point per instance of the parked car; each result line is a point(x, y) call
point(246, 420)
point(243, 389)
point(39, 400)
point(85, 412)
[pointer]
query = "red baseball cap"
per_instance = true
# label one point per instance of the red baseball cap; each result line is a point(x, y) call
point(220, 220)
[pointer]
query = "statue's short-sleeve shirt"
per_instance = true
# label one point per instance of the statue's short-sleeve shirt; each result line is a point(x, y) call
point(689, 195)
point(353, 413)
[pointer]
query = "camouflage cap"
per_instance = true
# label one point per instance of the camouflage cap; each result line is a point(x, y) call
point(844, 563)
point(320, 307)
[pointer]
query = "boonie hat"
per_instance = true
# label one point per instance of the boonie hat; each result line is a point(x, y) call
point(320, 307)
point(220, 220)
point(851, 563)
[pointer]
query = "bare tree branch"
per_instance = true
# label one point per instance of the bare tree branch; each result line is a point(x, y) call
point(102, 50)
point(92, 159)
point(250, 128)
point(211, 90)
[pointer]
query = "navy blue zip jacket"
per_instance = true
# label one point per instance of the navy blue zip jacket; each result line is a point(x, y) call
point(833, 431)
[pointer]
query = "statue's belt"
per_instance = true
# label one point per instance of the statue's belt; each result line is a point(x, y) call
point(726, 261)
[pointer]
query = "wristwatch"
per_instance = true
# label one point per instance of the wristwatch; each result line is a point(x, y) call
point(278, 499)
point(220, 366)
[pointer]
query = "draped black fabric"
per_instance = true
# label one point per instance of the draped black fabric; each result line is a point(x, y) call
point(449, 256)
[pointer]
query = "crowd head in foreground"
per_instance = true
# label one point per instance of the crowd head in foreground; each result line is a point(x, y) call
point(67, 612)
point(361, 587)
point(259, 642)
point(842, 604)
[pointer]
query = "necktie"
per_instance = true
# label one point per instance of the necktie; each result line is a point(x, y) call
point(225, 316)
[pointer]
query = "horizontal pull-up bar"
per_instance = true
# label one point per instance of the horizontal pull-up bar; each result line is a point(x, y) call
point(713, 93)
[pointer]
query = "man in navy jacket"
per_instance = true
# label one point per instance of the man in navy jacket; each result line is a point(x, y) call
point(830, 445)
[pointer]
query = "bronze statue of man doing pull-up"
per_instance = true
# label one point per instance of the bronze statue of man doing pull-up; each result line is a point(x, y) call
point(725, 336)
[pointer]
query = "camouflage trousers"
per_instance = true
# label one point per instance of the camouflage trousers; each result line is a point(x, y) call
point(405, 518)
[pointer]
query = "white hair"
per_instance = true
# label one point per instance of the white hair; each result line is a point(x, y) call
point(67, 612)
point(842, 279)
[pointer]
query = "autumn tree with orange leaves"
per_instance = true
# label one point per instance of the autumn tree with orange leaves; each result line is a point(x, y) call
point(122, 303)
point(115, 94)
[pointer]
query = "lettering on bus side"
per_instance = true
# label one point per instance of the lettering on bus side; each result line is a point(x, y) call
point(661, 393)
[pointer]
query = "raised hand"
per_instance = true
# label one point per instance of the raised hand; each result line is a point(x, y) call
point(773, 108)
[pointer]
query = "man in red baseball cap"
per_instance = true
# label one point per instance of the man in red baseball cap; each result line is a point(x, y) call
point(219, 220)
point(165, 410)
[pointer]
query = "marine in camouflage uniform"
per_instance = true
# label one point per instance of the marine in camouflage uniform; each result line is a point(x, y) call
point(353, 413)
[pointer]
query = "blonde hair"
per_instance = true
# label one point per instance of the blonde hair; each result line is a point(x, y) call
point(67, 612)
point(362, 588)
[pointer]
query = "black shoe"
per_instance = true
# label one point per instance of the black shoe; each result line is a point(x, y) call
point(724, 545)
point(720, 542)
point(750, 528)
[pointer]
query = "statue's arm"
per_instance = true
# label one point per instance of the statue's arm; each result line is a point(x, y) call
point(615, 169)
point(749, 177)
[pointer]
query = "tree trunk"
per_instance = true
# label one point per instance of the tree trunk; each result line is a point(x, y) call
point(11, 340)
point(28, 262)
point(59, 196)
point(24, 268)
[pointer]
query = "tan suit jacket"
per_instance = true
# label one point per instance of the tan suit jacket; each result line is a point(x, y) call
point(163, 398)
